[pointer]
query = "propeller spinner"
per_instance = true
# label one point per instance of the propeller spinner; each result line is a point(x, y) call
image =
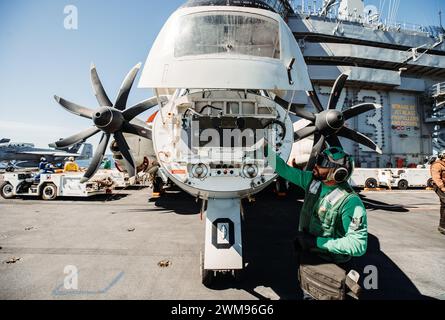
point(111, 119)
point(327, 125)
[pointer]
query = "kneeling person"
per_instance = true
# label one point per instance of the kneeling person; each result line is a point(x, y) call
point(333, 221)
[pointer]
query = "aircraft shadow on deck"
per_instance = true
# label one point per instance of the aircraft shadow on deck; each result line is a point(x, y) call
point(269, 233)
point(180, 202)
point(269, 229)
point(371, 204)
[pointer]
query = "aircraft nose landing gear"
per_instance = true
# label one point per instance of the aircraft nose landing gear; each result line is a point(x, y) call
point(223, 244)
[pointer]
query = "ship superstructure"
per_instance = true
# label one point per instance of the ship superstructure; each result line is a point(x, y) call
point(398, 65)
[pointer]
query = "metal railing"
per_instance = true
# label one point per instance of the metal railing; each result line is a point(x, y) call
point(437, 90)
point(436, 114)
point(369, 22)
point(282, 7)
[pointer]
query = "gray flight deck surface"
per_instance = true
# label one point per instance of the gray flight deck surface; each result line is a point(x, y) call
point(116, 246)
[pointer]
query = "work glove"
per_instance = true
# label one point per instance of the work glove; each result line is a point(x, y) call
point(305, 241)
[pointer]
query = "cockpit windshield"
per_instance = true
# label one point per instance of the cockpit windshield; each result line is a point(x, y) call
point(227, 33)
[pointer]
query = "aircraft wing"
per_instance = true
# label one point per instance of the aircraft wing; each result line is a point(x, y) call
point(50, 153)
point(13, 162)
point(66, 154)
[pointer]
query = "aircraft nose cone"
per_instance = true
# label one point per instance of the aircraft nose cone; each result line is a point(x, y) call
point(102, 117)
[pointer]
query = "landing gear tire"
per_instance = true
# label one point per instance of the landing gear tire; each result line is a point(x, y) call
point(7, 190)
point(402, 185)
point(207, 276)
point(49, 192)
point(371, 183)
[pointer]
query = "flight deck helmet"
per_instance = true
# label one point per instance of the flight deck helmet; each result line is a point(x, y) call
point(341, 163)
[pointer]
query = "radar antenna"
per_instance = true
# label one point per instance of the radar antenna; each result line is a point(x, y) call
point(440, 20)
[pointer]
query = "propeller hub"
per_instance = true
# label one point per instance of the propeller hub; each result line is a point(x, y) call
point(108, 119)
point(330, 121)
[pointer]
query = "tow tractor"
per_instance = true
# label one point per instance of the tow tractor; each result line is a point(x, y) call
point(50, 186)
point(365, 178)
point(401, 178)
point(406, 178)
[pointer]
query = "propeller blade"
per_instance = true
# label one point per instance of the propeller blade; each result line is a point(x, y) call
point(336, 90)
point(76, 138)
point(97, 158)
point(137, 130)
point(334, 141)
point(126, 154)
point(359, 109)
point(315, 100)
point(143, 106)
point(304, 133)
point(122, 97)
point(318, 146)
point(304, 114)
point(74, 108)
point(359, 138)
point(99, 90)
point(297, 110)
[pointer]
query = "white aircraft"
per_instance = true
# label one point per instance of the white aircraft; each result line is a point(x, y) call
point(222, 72)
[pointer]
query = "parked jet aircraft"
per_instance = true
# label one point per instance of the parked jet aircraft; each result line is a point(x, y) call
point(27, 155)
point(224, 73)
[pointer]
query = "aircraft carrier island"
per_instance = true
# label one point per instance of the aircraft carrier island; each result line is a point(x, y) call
point(398, 65)
point(194, 221)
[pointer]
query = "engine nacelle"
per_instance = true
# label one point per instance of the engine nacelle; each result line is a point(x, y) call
point(141, 150)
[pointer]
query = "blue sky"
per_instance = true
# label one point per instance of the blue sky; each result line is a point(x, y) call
point(40, 58)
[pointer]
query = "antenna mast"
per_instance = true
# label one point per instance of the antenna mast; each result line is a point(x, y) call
point(440, 19)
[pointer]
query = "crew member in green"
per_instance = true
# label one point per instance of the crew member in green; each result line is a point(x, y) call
point(333, 222)
point(106, 163)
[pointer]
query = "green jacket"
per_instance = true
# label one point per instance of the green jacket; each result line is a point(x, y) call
point(349, 237)
point(106, 164)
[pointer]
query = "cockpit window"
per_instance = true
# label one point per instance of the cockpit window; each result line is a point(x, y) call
point(226, 33)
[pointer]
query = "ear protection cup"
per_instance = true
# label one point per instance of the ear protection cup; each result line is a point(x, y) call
point(340, 175)
point(341, 163)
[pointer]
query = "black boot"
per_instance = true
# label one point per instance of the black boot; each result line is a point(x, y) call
point(442, 220)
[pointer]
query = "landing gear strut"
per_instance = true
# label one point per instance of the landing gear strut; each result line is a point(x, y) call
point(223, 244)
